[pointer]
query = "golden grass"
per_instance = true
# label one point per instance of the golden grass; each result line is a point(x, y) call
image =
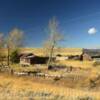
point(17, 88)
point(40, 51)
point(18, 67)
point(62, 51)
point(74, 63)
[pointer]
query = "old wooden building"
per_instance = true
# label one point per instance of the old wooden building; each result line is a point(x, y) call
point(29, 59)
point(90, 54)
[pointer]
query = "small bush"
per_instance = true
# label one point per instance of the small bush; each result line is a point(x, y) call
point(56, 78)
point(14, 57)
point(84, 98)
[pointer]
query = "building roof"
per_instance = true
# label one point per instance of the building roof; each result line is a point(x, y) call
point(27, 55)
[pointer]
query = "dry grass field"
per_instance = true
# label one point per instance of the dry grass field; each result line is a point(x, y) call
point(40, 51)
point(79, 84)
point(75, 86)
point(25, 88)
point(62, 51)
point(83, 64)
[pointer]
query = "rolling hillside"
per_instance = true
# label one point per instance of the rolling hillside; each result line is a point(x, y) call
point(62, 51)
point(41, 51)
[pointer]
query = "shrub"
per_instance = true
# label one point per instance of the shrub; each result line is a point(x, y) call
point(14, 57)
point(56, 78)
point(96, 63)
point(84, 98)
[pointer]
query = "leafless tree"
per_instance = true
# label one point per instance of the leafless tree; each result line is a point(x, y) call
point(14, 41)
point(54, 37)
point(15, 38)
point(1, 47)
point(1, 40)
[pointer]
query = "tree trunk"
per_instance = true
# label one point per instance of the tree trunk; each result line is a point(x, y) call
point(51, 54)
point(8, 56)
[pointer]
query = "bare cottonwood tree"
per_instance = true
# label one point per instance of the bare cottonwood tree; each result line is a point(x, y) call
point(54, 37)
point(1, 40)
point(14, 41)
point(15, 38)
point(1, 47)
point(47, 46)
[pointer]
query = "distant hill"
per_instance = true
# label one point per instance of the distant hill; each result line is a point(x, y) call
point(41, 51)
point(62, 51)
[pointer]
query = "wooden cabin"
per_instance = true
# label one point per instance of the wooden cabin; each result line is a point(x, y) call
point(86, 57)
point(29, 59)
point(90, 54)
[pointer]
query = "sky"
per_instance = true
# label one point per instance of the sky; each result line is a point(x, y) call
point(79, 21)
